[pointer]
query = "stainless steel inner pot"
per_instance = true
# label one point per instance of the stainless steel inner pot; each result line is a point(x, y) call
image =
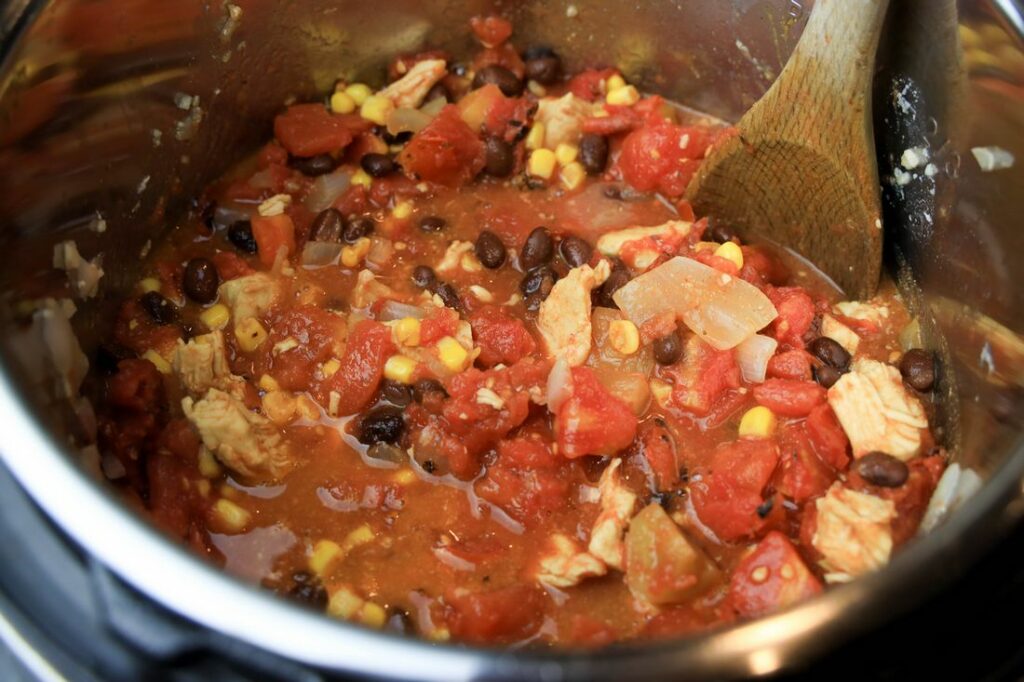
point(121, 110)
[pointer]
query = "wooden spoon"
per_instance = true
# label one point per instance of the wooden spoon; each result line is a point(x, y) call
point(801, 170)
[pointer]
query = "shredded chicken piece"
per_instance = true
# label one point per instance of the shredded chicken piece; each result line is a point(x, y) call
point(874, 313)
point(840, 333)
point(854, 533)
point(452, 258)
point(245, 442)
point(562, 118)
point(612, 243)
point(877, 412)
point(83, 275)
point(369, 290)
point(617, 505)
point(564, 317)
point(565, 564)
point(410, 90)
point(251, 296)
point(202, 364)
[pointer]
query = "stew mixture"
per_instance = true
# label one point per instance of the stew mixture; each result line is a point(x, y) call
point(455, 358)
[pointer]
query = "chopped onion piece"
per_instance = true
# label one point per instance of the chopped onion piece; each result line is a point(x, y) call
point(225, 216)
point(753, 355)
point(724, 311)
point(559, 387)
point(408, 121)
point(393, 310)
point(325, 189)
point(320, 253)
point(953, 489)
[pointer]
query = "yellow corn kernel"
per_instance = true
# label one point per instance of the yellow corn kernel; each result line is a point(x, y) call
point(372, 615)
point(615, 82)
point(661, 391)
point(541, 163)
point(216, 316)
point(757, 422)
point(706, 246)
point(344, 603)
point(330, 367)
point(209, 467)
point(470, 263)
point(407, 331)
point(359, 92)
point(250, 334)
point(376, 108)
point(231, 516)
point(402, 210)
point(400, 368)
point(324, 552)
point(566, 153)
point(203, 488)
point(352, 256)
point(404, 477)
point(535, 138)
point(624, 337)
point(625, 96)
point(342, 103)
point(149, 284)
point(361, 177)
point(279, 406)
point(573, 175)
point(453, 355)
point(158, 361)
point(440, 634)
point(536, 88)
point(358, 537)
point(731, 252)
point(269, 383)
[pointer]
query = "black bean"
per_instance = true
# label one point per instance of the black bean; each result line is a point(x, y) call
point(538, 249)
point(357, 227)
point(618, 278)
point(377, 165)
point(396, 393)
point(449, 296)
point(594, 153)
point(575, 251)
point(489, 250)
point(499, 157)
point(432, 223)
point(538, 281)
point(438, 91)
point(200, 280)
point(543, 65)
point(765, 508)
point(392, 139)
point(400, 621)
point(668, 349)
point(321, 164)
point(107, 358)
point(507, 82)
point(881, 469)
point(328, 226)
point(826, 375)
point(717, 231)
point(426, 387)
point(160, 310)
point(424, 277)
point(381, 425)
point(830, 352)
point(240, 234)
point(308, 590)
point(385, 452)
point(918, 369)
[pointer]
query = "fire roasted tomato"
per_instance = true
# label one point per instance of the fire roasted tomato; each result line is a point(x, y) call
point(501, 337)
point(593, 421)
point(447, 151)
point(730, 496)
point(309, 129)
point(662, 157)
point(772, 576)
point(362, 367)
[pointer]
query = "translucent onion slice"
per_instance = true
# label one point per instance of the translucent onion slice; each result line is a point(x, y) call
point(753, 355)
point(559, 385)
point(724, 311)
point(393, 310)
point(320, 253)
point(326, 189)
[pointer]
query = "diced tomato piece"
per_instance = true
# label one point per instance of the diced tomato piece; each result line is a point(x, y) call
point(319, 333)
point(590, 84)
point(439, 323)
point(137, 385)
point(658, 449)
point(790, 364)
point(447, 151)
point(180, 439)
point(709, 259)
point(170, 492)
point(527, 480)
point(310, 129)
point(491, 31)
point(502, 338)
point(488, 111)
point(618, 120)
point(827, 437)
point(704, 376)
point(789, 398)
point(771, 577)
point(230, 265)
point(662, 156)
point(593, 421)
point(272, 154)
point(796, 314)
point(801, 474)
point(362, 366)
point(272, 233)
point(731, 490)
point(503, 615)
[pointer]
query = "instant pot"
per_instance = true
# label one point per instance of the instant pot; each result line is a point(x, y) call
point(115, 113)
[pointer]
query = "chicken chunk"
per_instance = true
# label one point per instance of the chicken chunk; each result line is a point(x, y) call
point(564, 564)
point(410, 90)
point(611, 243)
point(877, 412)
point(202, 364)
point(369, 290)
point(251, 296)
point(617, 505)
point(245, 442)
point(873, 313)
point(562, 118)
point(564, 317)
point(840, 333)
point(854, 533)
point(452, 258)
